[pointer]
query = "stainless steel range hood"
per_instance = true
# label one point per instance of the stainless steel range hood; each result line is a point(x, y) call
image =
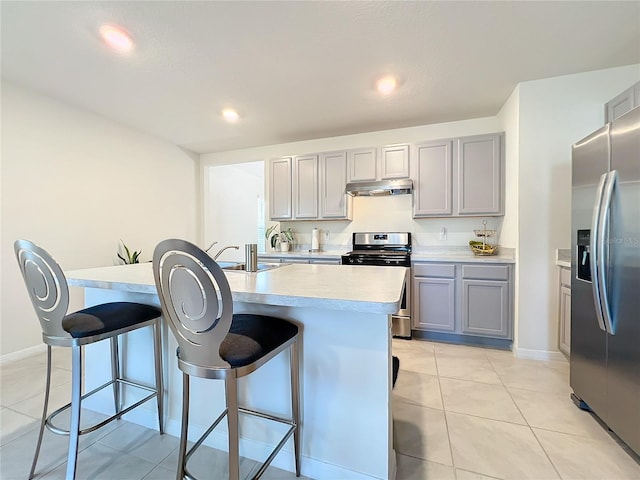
point(380, 188)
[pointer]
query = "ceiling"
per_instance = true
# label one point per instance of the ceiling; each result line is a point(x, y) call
point(304, 70)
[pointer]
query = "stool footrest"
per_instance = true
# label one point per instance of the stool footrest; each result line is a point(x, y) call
point(246, 411)
point(60, 431)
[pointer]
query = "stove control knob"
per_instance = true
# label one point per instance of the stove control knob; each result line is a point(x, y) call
point(359, 260)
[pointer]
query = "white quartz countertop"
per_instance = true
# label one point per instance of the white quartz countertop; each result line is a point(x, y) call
point(321, 255)
point(336, 287)
point(462, 254)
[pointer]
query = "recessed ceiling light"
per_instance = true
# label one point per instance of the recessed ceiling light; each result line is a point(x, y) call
point(230, 115)
point(117, 38)
point(387, 85)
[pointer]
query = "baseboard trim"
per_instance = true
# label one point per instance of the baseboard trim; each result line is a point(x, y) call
point(22, 354)
point(531, 354)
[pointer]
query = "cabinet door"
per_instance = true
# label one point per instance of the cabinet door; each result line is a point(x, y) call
point(620, 105)
point(280, 182)
point(431, 173)
point(479, 175)
point(326, 261)
point(305, 187)
point(394, 162)
point(333, 180)
point(362, 165)
point(434, 304)
point(485, 307)
point(295, 260)
point(565, 319)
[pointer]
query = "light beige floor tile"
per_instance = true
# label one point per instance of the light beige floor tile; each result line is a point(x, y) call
point(141, 442)
point(22, 382)
point(418, 389)
point(421, 432)
point(32, 406)
point(209, 462)
point(553, 411)
point(534, 375)
point(410, 468)
point(161, 473)
point(474, 368)
point(14, 424)
point(460, 350)
point(417, 360)
point(585, 458)
point(466, 475)
point(102, 462)
point(479, 399)
point(497, 449)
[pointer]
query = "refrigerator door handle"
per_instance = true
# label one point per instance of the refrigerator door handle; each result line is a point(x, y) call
point(594, 262)
point(603, 247)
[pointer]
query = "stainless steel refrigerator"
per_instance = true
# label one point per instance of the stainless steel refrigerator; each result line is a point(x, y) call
point(605, 267)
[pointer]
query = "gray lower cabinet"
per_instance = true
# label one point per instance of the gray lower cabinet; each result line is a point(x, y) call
point(564, 307)
point(463, 299)
point(485, 307)
point(436, 304)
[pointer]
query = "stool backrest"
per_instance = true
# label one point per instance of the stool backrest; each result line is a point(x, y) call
point(47, 286)
point(196, 300)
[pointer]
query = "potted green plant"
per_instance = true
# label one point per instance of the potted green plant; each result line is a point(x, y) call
point(284, 238)
point(127, 256)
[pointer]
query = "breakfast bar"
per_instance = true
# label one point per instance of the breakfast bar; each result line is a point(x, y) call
point(344, 314)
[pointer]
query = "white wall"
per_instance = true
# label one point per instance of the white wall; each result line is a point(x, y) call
point(76, 183)
point(554, 113)
point(233, 204)
point(388, 213)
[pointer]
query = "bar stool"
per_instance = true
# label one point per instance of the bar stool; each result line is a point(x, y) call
point(49, 293)
point(214, 343)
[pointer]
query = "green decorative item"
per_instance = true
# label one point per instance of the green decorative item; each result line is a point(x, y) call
point(128, 257)
point(275, 238)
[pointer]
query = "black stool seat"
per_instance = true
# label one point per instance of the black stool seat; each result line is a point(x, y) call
point(108, 317)
point(251, 337)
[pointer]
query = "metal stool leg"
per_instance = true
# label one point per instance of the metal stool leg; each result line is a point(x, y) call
point(115, 374)
point(231, 389)
point(157, 353)
point(295, 402)
point(44, 413)
point(76, 393)
point(184, 431)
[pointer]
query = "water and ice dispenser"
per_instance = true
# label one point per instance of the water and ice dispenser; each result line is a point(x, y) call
point(584, 255)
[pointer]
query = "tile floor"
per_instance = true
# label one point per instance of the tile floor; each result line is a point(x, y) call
point(476, 414)
point(460, 413)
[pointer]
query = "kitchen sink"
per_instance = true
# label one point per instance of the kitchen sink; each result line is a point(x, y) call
point(239, 267)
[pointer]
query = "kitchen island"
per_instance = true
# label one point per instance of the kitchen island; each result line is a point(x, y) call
point(343, 312)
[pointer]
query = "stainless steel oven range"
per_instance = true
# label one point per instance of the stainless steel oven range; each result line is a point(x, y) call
point(391, 249)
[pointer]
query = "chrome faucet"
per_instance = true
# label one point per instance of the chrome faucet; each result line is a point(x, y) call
point(223, 249)
point(211, 246)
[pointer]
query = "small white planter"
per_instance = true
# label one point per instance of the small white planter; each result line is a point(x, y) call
point(284, 246)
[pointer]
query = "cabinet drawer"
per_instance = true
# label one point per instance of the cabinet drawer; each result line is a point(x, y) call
point(486, 272)
point(434, 270)
point(565, 277)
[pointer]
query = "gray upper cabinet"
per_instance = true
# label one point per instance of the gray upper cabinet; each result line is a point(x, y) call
point(363, 165)
point(305, 187)
point(622, 103)
point(280, 183)
point(334, 203)
point(432, 173)
point(479, 165)
point(394, 162)
point(459, 177)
